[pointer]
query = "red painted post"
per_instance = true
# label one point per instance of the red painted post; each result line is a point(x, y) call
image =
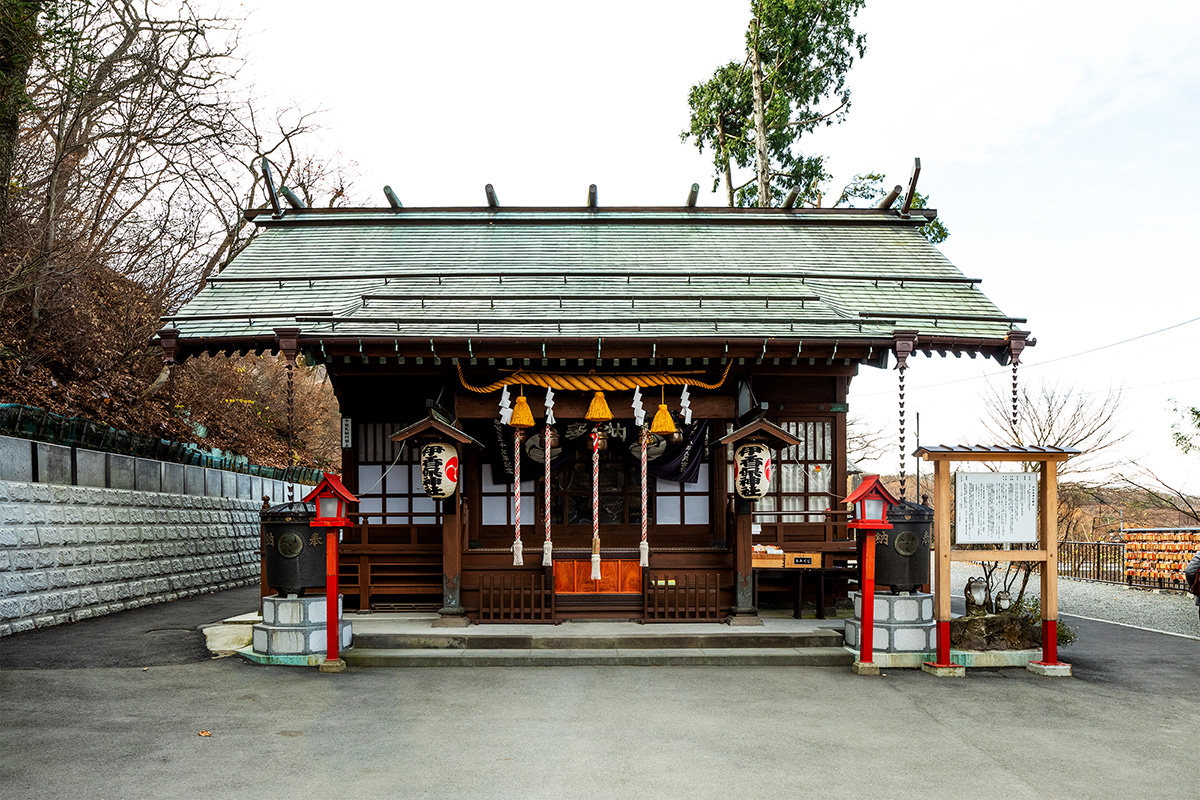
point(943, 644)
point(332, 619)
point(1049, 641)
point(867, 637)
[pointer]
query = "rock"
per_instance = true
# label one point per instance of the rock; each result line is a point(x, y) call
point(994, 632)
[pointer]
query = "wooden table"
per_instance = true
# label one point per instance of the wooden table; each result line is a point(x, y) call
point(820, 573)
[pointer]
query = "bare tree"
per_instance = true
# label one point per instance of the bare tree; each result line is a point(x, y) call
point(136, 152)
point(1052, 415)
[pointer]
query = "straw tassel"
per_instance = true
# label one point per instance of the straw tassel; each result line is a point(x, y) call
point(643, 554)
point(662, 424)
point(547, 554)
point(596, 559)
point(598, 411)
point(522, 416)
point(517, 548)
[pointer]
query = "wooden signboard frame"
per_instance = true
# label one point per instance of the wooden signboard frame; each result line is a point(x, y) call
point(1046, 554)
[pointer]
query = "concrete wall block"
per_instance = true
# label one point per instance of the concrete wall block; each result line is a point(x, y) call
point(121, 471)
point(30, 605)
point(25, 559)
point(90, 468)
point(43, 558)
point(9, 536)
point(91, 515)
point(5, 561)
point(16, 459)
point(28, 537)
point(36, 581)
point(42, 492)
point(58, 578)
point(20, 492)
point(37, 514)
point(10, 608)
point(72, 598)
point(12, 513)
point(56, 535)
point(53, 601)
point(77, 576)
point(23, 625)
point(148, 475)
point(15, 583)
point(89, 595)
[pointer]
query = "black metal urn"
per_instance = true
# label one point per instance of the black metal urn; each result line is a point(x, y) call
point(902, 554)
point(293, 552)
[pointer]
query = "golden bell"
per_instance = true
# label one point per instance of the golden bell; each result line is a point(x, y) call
point(521, 417)
point(662, 424)
point(598, 410)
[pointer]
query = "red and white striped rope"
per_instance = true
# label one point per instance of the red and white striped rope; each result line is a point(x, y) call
point(595, 485)
point(645, 441)
point(546, 450)
point(517, 480)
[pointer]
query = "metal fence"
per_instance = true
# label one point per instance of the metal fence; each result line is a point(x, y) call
point(27, 422)
point(1092, 561)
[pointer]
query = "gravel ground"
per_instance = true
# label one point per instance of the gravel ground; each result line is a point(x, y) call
point(1172, 612)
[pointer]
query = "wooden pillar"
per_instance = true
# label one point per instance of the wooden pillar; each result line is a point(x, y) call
point(941, 543)
point(451, 613)
point(744, 611)
point(1048, 536)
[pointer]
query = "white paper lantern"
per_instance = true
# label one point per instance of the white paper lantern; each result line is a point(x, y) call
point(752, 470)
point(439, 470)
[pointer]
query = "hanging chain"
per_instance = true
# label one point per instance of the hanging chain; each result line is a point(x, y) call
point(291, 425)
point(901, 368)
point(1014, 410)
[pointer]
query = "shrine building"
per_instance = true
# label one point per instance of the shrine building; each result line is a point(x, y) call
point(461, 328)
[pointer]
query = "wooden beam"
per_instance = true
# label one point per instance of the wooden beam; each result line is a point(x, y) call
point(998, 555)
point(574, 405)
point(1048, 538)
point(941, 537)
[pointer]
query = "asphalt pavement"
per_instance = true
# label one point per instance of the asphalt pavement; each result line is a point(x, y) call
point(117, 708)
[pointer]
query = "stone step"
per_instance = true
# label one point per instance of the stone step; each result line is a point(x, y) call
point(642, 640)
point(640, 657)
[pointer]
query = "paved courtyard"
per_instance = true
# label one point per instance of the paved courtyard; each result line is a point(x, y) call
point(1123, 727)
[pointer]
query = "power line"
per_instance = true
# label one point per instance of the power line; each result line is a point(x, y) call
point(990, 375)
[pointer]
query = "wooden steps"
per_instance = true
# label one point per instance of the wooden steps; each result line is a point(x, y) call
point(634, 648)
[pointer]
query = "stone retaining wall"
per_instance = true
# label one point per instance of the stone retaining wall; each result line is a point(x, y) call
point(68, 553)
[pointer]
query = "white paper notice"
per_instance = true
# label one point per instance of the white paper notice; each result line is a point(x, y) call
point(995, 507)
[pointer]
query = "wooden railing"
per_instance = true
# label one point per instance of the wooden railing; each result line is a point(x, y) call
point(678, 595)
point(516, 597)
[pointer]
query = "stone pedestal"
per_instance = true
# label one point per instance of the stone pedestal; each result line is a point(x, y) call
point(293, 631)
point(903, 623)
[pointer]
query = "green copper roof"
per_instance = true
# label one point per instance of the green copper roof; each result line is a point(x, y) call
point(844, 274)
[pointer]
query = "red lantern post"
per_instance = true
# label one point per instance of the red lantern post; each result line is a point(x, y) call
point(871, 502)
point(331, 498)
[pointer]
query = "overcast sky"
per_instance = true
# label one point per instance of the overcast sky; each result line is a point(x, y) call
point(1057, 139)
